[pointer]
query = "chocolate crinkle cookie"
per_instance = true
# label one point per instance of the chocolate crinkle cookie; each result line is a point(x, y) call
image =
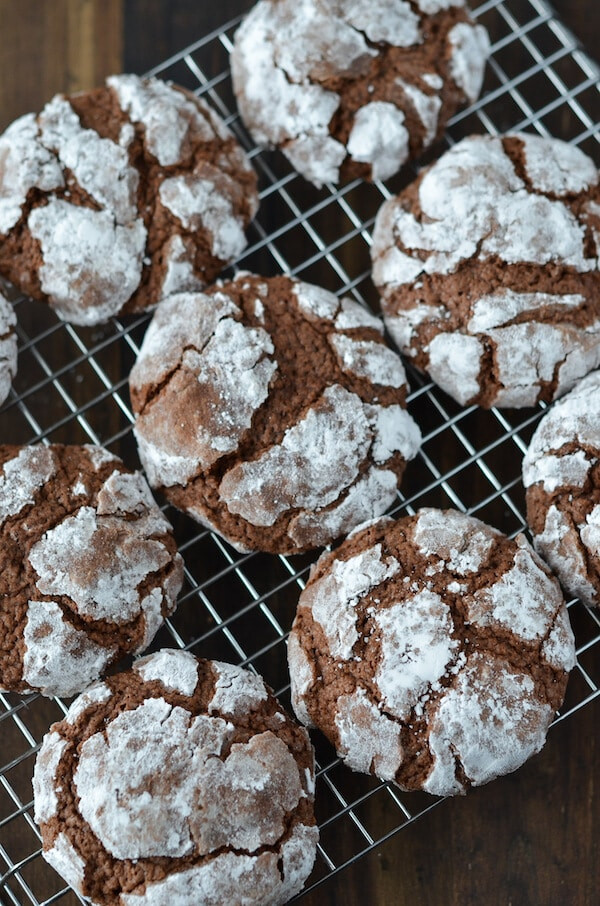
point(431, 651)
point(113, 198)
point(355, 87)
point(561, 472)
point(181, 781)
point(89, 566)
point(272, 412)
point(488, 269)
point(8, 347)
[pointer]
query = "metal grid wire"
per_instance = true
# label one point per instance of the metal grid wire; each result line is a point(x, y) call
point(239, 607)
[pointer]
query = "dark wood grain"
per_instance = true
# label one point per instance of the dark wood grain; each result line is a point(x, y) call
point(531, 839)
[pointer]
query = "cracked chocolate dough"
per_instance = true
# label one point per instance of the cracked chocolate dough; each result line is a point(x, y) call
point(488, 269)
point(180, 781)
point(8, 347)
point(561, 472)
point(89, 566)
point(116, 197)
point(431, 651)
point(272, 412)
point(350, 88)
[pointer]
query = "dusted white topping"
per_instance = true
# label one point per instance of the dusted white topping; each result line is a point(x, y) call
point(559, 647)
point(44, 777)
point(179, 270)
point(427, 107)
point(301, 471)
point(395, 432)
point(403, 325)
point(455, 363)
point(470, 48)
point(97, 564)
point(416, 649)
point(65, 859)
point(176, 670)
point(333, 598)
point(497, 309)
point(434, 6)
point(574, 419)
point(557, 168)
point(373, 361)
point(392, 21)
point(93, 695)
point(187, 320)
point(380, 138)
point(370, 495)
point(352, 314)
point(525, 599)
point(25, 164)
point(368, 740)
point(91, 265)
point(491, 721)
point(473, 197)
point(8, 347)
point(201, 200)
point(315, 302)
point(301, 678)
point(156, 782)
point(100, 166)
point(169, 117)
point(58, 658)
point(568, 470)
point(462, 542)
point(99, 456)
point(560, 545)
point(237, 691)
point(23, 477)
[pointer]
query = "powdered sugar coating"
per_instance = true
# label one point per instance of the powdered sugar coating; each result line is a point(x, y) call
point(98, 244)
point(379, 138)
point(91, 265)
point(22, 477)
point(58, 658)
point(560, 475)
point(491, 734)
point(158, 777)
point(333, 460)
point(475, 206)
point(44, 777)
point(416, 649)
point(368, 739)
point(97, 566)
point(176, 670)
point(8, 347)
point(454, 682)
point(237, 691)
point(24, 164)
point(280, 85)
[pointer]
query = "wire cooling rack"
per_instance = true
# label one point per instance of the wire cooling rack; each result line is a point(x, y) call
point(72, 387)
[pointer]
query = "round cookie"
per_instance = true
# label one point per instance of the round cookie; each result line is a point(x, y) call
point(272, 412)
point(113, 198)
point(8, 347)
point(350, 88)
point(180, 781)
point(431, 651)
point(89, 566)
point(561, 472)
point(488, 269)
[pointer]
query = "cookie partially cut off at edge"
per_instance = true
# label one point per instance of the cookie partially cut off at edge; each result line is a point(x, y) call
point(487, 267)
point(272, 412)
point(431, 651)
point(113, 198)
point(89, 566)
point(561, 472)
point(357, 87)
point(180, 781)
point(8, 347)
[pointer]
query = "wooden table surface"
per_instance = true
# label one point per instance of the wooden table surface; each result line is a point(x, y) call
point(530, 839)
